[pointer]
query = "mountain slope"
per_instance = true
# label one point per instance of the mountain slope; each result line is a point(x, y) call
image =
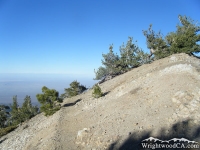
point(146, 101)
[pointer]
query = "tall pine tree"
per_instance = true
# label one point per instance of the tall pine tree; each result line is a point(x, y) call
point(186, 37)
point(156, 43)
point(131, 55)
point(16, 115)
point(3, 116)
point(111, 62)
point(184, 40)
point(111, 65)
point(28, 111)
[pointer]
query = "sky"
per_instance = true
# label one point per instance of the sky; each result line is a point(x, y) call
point(69, 36)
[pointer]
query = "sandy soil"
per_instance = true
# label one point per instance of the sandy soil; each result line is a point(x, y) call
point(160, 99)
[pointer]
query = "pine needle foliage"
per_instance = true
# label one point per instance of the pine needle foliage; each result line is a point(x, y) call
point(97, 91)
point(49, 101)
point(131, 56)
point(3, 116)
point(184, 40)
point(21, 114)
point(74, 89)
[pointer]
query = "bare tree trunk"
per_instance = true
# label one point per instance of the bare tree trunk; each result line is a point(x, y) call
point(152, 51)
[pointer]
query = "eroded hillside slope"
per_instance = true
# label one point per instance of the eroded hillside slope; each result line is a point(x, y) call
point(161, 99)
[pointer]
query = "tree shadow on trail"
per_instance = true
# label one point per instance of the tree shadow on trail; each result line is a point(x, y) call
point(184, 129)
point(71, 104)
point(2, 140)
point(104, 94)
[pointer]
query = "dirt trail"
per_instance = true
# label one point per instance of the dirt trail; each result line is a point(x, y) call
point(148, 98)
point(161, 99)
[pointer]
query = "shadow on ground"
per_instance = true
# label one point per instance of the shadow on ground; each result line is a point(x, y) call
point(104, 94)
point(2, 140)
point(185, 129)
point(71, 104)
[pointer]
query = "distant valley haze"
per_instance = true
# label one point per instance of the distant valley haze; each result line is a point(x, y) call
point(31, 84)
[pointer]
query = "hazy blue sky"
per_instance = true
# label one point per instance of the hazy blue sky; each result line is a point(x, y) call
point(69, 36)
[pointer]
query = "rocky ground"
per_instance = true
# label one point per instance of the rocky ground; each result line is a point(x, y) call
point(161, 99)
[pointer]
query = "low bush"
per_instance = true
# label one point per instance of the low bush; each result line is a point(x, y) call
point(97, 91)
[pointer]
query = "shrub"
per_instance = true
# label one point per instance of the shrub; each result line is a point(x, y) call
point(97, 91)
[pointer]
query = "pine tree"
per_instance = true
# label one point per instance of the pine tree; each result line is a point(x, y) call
point(28, 111)
point(186, 37)
point(3, 116)
point(184, 40)
point(49, 100)
point(156, 43)
point(16, 115)
point(82, 89)
point(15, 105)
point(131, 55)
point(75, 89)
point(101, 73)
point(111, 62)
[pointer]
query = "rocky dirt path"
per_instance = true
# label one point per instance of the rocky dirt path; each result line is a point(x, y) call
point(148, 98)
point(161, 99)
